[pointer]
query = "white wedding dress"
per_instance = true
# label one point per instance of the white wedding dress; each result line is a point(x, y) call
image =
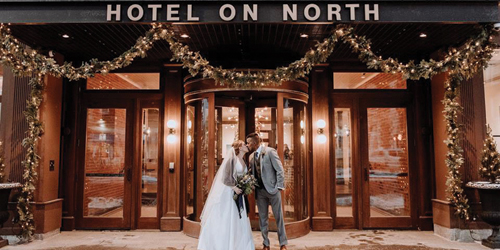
point(221, 226)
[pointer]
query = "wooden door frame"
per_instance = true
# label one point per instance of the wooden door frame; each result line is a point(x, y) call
point(98, 222)
point(357, 100)
point(394, 221)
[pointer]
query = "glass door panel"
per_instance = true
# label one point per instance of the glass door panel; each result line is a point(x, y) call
point(386, 172)
point(343, 162)
point(104, 189)
point(149, 162)
point(294, 160)
point(106, 165)
point(388, 162)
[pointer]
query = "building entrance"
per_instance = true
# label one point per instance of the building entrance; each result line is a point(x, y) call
point(119, 164)
point(216, 118)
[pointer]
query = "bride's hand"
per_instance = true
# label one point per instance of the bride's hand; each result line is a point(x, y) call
point(236, 190)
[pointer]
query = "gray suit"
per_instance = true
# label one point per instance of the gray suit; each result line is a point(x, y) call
point(273, 179)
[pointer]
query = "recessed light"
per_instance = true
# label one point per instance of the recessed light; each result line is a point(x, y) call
point(65, 36)
point(423, 35)
point(304, 35)
point(185, 36)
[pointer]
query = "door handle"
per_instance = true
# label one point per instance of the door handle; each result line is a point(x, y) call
point(367, 172)
point(129, 174)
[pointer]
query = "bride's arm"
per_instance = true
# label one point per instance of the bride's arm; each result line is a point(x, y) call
point(228, 178)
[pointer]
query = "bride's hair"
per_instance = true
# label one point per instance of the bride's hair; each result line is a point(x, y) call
point(236, 145)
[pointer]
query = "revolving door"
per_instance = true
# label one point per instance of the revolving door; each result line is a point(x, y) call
point(216, 116)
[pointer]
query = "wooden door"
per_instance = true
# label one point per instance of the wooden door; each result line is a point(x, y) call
point(386, 150)
point(105, 153)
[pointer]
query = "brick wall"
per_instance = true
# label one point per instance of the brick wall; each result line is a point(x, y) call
point(104, 159)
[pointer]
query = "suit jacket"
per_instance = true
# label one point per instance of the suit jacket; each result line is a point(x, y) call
point(272, 172)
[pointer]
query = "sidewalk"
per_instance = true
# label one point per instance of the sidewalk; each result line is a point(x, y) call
point(338, 239)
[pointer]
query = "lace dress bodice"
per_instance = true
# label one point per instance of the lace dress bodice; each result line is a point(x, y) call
point(240, 168)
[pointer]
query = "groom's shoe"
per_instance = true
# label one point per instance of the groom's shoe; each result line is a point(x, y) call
point(283, 247)
point(266, 248)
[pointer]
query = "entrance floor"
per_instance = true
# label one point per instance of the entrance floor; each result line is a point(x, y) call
point(338, 240)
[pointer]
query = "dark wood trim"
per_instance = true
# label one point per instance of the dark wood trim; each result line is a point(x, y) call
point(298, 229)
point(321, 84)
point(171, 192)
point(68, 172)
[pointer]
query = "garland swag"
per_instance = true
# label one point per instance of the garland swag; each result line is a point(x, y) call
point(461, 63)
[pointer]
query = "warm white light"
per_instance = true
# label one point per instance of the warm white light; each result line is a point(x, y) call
point(65, 36)
point(423, 35)
point(302, 139)
point(189, 139)
point(172, 124)
point(321, 123)
point(171, 138)
point(304, 35)
point(301, 124)
point(190, 124)
point(321, 138)
point(185, 36)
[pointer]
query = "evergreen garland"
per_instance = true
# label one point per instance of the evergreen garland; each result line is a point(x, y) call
point(462, 63)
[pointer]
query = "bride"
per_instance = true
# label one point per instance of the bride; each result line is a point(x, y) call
point(222, 227)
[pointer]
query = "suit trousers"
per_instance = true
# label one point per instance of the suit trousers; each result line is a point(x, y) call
point(264, 199)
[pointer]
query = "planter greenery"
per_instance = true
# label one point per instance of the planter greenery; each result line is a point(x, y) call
point(489, 191)
point(5, 189)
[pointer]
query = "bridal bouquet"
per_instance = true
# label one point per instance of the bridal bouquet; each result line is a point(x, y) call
point(246, 183)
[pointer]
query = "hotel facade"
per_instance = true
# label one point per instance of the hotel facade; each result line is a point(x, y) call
point(138, 148)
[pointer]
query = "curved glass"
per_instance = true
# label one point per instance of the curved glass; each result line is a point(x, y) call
point(225, 120)
point(294, 160)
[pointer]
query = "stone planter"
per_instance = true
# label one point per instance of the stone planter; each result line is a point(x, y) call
point(5, 189)
point(489, 194)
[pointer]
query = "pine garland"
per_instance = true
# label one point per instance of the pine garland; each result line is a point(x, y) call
point(31, 162)
point(462, 63)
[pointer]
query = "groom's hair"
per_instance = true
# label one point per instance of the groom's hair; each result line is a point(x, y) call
point(255, 137)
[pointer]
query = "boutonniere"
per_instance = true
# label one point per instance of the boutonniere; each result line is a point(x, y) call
point(263, 154)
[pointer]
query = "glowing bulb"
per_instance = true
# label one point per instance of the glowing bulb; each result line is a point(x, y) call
point(172, 124)
point(302, 139)
point(171, 138)
point(190, 124)
point(301, 124)
point(321, 138)
point(188, 139)
point(321, 123)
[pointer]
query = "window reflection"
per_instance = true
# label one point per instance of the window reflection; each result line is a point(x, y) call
point(368, 80)
point(104, 162)
point(149, 155)
point(124, 81)
point(343, 162)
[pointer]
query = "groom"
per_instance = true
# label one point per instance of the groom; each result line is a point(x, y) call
point(268, 170)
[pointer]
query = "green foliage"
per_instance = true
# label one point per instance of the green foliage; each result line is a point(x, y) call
point(490, 159)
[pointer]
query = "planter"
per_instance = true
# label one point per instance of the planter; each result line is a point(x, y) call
point(5, 189)
point(489, 194)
